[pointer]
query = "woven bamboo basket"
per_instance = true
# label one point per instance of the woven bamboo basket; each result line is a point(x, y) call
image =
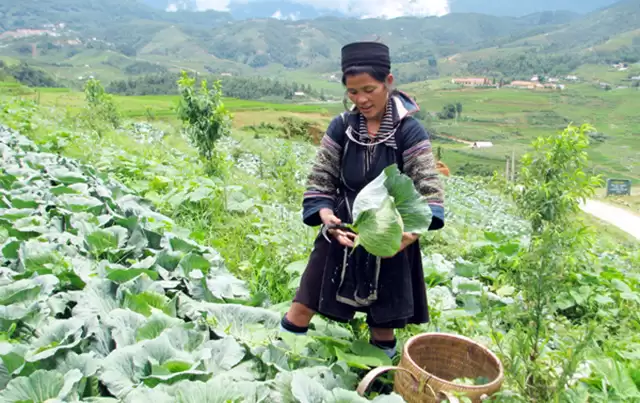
point(430, 361)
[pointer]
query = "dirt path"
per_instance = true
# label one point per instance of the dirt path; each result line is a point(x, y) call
point(450, 137)
point(621, 218)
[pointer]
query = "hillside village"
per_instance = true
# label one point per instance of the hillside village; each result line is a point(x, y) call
point(538, 83)
point(534, 83)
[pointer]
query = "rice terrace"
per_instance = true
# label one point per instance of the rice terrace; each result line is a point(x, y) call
point(160, 163)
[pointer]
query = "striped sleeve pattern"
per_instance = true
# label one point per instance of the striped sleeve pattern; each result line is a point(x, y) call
point(420, 166)
point(323, 179)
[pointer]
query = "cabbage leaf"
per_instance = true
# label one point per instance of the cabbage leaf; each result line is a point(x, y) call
point(386, 208)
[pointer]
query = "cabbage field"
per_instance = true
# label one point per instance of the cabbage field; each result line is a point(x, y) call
point(130, 273)
point(100, 296)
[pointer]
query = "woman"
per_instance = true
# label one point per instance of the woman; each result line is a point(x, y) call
point(377, 132)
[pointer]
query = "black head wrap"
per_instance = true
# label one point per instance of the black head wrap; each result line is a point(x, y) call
point(371, 54)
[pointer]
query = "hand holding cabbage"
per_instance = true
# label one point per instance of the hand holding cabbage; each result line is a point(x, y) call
point(389, 214)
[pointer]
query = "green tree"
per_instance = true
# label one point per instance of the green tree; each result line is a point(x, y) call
point(235, 87)
point(30, 76)
point(458, 109)
point(553, 181)
point(203, 114)
point(100, 108)
point(449, 111)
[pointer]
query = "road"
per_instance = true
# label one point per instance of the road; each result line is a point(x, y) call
point(459, 140)
point(621, 218)
point(616, 216)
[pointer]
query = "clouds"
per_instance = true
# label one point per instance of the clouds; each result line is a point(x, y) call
point(359, 8)
point(384, 8)
point(279, 16)
point(218, 5)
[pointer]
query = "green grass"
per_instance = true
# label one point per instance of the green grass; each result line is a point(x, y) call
point(512, 118)
point(624, 39)
point(13, 89)
point(595, 73)
point(610, 232)
point(631, 203)
point(318, 81)
point(159, 105)
point(259, 245)
point(464, 161)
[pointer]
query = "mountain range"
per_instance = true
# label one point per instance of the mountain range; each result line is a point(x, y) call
point(521, 8)
point(256, 9)
point(118, 38)
point(296, 10)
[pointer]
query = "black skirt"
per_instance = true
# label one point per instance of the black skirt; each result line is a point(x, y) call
point(402, 291)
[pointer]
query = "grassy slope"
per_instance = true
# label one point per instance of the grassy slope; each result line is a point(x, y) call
point(603, 31)
point(179, 45)
point(258, 246)
point(631, 203)
point(511, 118)
point(623, 39)
point(319, 81)
point(161, 106)
point(221, 233)
point(599, 73)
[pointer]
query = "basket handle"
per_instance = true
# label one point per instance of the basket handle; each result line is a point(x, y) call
point(374, 373)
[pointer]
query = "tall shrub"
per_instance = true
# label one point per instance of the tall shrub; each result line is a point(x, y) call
point(100, 109)
point(203, 114)
point(553, 181)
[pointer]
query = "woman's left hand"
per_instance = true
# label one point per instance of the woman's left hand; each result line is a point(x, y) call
point(407, 239)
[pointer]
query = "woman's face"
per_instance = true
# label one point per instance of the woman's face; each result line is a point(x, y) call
point(369, 95)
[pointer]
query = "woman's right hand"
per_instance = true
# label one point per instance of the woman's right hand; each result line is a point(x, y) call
point(344, 237)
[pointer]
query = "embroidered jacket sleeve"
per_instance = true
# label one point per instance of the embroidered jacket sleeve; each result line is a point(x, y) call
point(324, 178)
point(420, 166)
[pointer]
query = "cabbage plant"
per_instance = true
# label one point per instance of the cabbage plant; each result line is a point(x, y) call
point(386, 208)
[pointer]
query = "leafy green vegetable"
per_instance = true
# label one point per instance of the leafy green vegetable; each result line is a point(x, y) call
point(386, 208)
point(380, 229)
point(100, 295)
point(91, 274)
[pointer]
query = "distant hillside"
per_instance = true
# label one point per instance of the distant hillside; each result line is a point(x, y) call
point(116, 39)
point(288, 9)
point(26, 75)
point(595, 27)
point(303, 43)
point(280, 9)
point(610, 35)
point(212, 42)
point(96, 16)
point(520, 8)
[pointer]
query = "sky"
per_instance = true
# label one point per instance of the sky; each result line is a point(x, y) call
point(363, 8)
